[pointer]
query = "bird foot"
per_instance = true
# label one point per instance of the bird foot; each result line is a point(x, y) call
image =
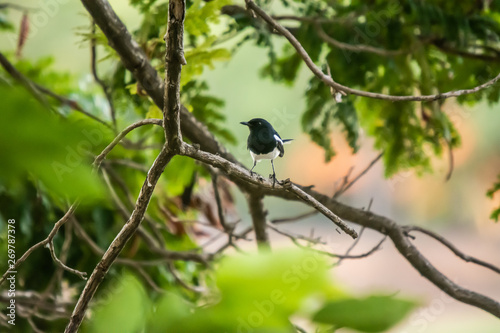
point(275, 180)
point(259, 177)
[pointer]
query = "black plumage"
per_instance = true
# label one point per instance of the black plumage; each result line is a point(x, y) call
point(264, 142)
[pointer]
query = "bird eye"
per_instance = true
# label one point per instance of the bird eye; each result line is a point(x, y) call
point(260, 123)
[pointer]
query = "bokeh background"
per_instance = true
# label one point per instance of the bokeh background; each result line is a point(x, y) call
point(457, 209)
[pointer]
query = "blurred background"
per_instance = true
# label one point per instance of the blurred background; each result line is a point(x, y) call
point(457, 209)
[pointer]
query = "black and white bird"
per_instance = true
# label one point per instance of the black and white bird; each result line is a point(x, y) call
point(264, 142)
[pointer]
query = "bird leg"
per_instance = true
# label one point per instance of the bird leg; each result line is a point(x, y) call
point(274, 173)
point(251, 170)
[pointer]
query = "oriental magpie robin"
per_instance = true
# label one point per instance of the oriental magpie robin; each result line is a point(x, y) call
point(264, 142)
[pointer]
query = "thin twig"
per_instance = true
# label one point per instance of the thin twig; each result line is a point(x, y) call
point(42, 243)
point(310, 240)
point(98, 160)
point(37, 90)
point(310, 200)
point(353, 245)
point(220, 209)
point(295, 218)
point(356, 241)
point(82, 275)
point(18, 76)
point(70, 103)
point(453, 248)
point(231, 244)
point(181, 282)
point(345, 187)
point(93, 65)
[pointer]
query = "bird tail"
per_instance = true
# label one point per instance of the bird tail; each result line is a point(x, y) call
point(287, 141)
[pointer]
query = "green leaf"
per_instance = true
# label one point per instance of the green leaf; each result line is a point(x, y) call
point(257, 293)
point(200, 57)
point(154, 112)
point(206, 108)
point(322, 112)
point(371, 314)
point(169, 313)
point(54, 151)
point(495, 214)
point(201, 14)
point(125, 309)
point(347, 116)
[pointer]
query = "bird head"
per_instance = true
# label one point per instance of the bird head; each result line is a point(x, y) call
point(256, 124)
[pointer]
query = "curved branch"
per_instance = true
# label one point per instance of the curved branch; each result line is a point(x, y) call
point(339, 87)
point(98, 160)
point(453, 249)
point(82, 275)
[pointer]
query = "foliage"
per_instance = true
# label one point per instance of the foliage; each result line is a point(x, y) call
point(63, 167)
point(371, 314)
point(321, 111)
point(256, 293)
point(491, 192)
point(435, 59)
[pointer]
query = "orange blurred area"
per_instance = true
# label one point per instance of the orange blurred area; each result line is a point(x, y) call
point(306, 164)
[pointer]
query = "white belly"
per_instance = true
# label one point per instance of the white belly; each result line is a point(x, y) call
point(269, 156)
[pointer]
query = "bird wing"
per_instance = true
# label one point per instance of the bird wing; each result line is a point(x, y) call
point(279, 144)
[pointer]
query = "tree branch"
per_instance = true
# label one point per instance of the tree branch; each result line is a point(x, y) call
point(173, 65)
point(258, 213)
point(174, 60)
point(339, 87)
point(245, 180)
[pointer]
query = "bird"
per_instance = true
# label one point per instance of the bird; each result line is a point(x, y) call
point(264, 143)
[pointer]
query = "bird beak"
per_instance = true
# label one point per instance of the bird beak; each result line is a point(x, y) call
point(245, 123)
